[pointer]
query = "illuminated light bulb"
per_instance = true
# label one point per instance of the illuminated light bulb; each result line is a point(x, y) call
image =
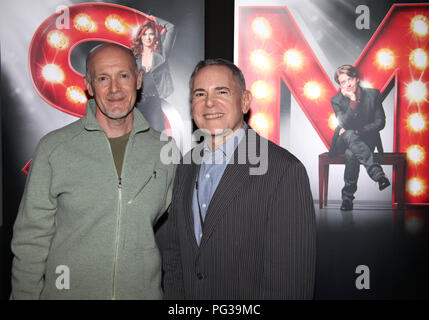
point(416, 154)
point(76, 95)
point(53, 73)
point(416, 91)
point(312, 90)
point(115, 23)
point(58, 40)
point(260, 59)
point(261, 27)
point(416, 122)
point(365, 84)
point(419, 58)
point(333, 122)
point(260, 90)
point(260, 122)
point(83, 22)
point(385, 58)
point(415, 187)
point(419, 25)
point(293, 58)
point(134, 31)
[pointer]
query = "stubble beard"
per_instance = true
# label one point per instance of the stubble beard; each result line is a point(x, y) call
point(111, 116)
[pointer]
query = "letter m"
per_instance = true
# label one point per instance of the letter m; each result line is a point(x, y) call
point(271, 48)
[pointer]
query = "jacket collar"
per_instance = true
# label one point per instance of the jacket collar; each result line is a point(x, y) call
point(234, 178)
point(91, 123)
point(157, 60)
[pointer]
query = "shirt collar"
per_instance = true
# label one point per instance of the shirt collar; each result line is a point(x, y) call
point(224, 152)
point(91, 123)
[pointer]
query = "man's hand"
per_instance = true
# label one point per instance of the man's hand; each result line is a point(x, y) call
point(342, 130)
point(349, 94)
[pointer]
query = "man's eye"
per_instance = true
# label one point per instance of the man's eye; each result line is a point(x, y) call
point(124, 75)
point(102, 79)
point(199, 94)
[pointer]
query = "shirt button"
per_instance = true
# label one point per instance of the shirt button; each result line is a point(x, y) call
point(207, 176)
point(199, 276)
point(201, 235)
point(204, 205)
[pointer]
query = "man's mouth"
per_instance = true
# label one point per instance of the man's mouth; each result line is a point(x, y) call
point(116, 100)
point(213, 116)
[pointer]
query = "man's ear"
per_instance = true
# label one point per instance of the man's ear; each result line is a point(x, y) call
point(139, 79)
point(88, 86)
point(192, 112)
point(246, 100)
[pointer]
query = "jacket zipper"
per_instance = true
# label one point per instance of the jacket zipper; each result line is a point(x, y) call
point(141, 189)
point(118, 225)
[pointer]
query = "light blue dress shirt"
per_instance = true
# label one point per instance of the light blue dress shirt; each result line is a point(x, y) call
point(211, 170)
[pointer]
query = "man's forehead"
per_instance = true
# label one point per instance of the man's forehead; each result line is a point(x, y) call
point(214, 76)
point(346, 76)
point(219, 69)
point(111, 55)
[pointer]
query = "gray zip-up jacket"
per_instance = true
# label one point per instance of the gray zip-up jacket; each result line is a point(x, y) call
point(81, 231)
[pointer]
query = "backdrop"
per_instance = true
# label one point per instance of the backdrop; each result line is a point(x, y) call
point(41, 88)
point(289, 51)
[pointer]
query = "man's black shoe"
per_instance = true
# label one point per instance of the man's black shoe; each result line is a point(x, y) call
point(347, 205)
point(383, 183)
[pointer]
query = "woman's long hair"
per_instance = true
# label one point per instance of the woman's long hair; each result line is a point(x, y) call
point(137, 45)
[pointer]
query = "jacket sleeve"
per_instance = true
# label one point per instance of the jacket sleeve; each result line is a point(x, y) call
point(290, 247)
point(172, 265)
point(175, 159)
point(343, 112)
point(168, 37)
point(379, 116)
point(33, 230)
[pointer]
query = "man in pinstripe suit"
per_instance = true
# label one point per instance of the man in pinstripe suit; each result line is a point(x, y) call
point(236, 232)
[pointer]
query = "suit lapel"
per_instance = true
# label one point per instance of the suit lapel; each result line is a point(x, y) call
point(157, 60)
point(365, 103)
point(188, 191)
point(233, 179)
point(344, 102)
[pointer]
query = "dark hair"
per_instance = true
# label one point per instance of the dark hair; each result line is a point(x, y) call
point(137, 45)
point(348, 70)
point(236, 72)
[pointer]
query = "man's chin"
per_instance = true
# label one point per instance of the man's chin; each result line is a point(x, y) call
point(217, 132)
point(117, 115)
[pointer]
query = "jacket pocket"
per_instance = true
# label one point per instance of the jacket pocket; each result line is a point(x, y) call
point(153, 176)
point(144, 209)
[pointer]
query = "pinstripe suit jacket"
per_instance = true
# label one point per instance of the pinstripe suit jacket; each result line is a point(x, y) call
point(259, 237)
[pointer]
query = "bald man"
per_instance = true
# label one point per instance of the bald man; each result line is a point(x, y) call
point(84, 229)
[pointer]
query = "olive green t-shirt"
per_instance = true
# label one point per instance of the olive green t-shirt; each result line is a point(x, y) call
point(118, 146)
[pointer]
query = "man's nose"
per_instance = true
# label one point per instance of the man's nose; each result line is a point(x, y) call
point(209, 100)
point(114, 85)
